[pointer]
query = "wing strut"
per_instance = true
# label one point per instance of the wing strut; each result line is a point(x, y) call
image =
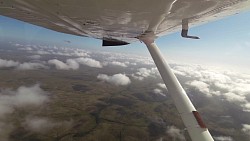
point(190, 117)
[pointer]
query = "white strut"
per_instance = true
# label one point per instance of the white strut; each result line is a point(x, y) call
point(190, 117)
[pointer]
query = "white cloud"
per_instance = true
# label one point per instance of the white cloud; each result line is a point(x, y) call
point(80, 53)
point(231, 97)
point(36, 57)
point(223, 138)
point(10, 100)
point(43, 124)
point(21, 66)
point(70, 64)
point(158, 91)
point(175, 133)
point(232, 86)
point(8, 63)
point(23, 96)
point(31, 66)
point(144, 73)
point(161, 85)
point(117, 79)
point(89, 62)
point(246, 128)
point(246, 107)
point(115, 63)
point(41, 52)
point(33, 95)
point(39, 125)
point(201, 86)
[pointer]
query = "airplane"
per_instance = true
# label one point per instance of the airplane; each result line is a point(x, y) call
point(120, 22)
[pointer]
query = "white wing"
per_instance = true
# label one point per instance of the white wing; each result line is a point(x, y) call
point(123, 20)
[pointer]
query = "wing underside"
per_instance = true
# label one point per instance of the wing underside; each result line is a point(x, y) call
point(121, 20)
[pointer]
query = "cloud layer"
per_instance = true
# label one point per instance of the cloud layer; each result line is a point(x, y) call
point(233, 87)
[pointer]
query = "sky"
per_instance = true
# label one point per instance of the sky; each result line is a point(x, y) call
point(224, 43)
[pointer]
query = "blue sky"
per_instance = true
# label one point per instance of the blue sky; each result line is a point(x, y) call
point(224, 43)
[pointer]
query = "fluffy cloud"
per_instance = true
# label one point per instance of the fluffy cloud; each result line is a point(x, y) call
point(36, 57)
point(116, 63)
point(161, 85)
point(21, 66)
point(23, 96)
point(117, 79)
point(223, 138)
point(201, 86)
point(144, 73)
point(38, 124)
point(233, 87)
point(70, 64)
point(43, 124)
point(231, 97)
point(158, 91)
point(31, 66)
point(8, 63)
point(74, 63)
point(89, 62)
point(246, 128)
point(175, 133)
point(11, 100)
point(52, 50)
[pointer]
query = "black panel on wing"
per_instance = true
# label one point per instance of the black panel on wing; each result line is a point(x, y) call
point(113, 42)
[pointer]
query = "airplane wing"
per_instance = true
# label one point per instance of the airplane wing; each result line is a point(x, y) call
point(118, 20)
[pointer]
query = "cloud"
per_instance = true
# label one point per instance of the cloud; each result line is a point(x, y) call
point(201, 86)
point(223, 138)
point(8, 63)
point(227, 85)
point(231, 97)
point(117, 79)
point(246, 128)
point(161, 85)
point(89, 62)
point(70, 64)
point(175, 133)
point(158, 91)
point(31, 66)
point(43, 124)
point(21, 66)
point(246, 107)
point(36, 57)
point(144, 73)
point(39, 125)
point(116, 63)
point(41, 52)
point(23, 96)
point(10, 100)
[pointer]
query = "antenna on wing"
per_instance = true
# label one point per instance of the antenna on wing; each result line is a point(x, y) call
point(184, 31)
